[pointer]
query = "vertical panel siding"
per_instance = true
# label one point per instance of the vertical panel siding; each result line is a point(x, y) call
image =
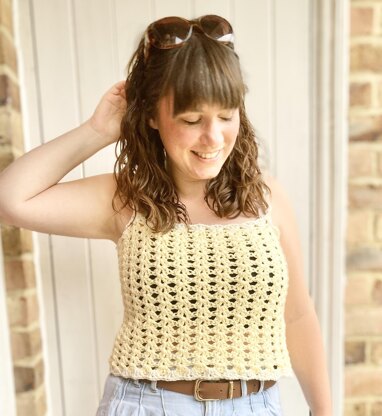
point(97, 60)
point(220, 7)
point(293, 111)
point(131, 21)
point(255, 45)
point(164, 8)
point(59, 109)
point(33, 134)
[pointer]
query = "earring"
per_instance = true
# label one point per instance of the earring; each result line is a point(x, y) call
point(165, 158)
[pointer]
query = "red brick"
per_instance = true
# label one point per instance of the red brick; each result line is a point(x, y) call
point(6, 156)
point(22, 310)
point(31, 403)
point(8, 52)
point(355, 352)
point(376, 409)
point(364, 258)
point(361, 20)
point(363, 321)
point(19, 274)
point(360, 94)
point(362, 162)
point(365, 129)
point(377, 292)
point(361, 196)
point(358, 291)
point(9, 92)
point(28, 377)
point(359, 227)
point(355, 409)
point(6, 17)
point(361, 381)
point(378, 228)
point(380, 90)
point(15, 240)
point(376, 352)
point(25, 343)
point(366, 57)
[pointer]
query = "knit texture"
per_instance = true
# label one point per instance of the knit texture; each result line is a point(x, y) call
point(205, 302)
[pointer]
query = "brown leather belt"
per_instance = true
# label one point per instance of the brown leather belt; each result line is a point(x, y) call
point(204, 390)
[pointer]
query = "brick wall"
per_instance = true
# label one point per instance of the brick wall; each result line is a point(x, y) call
point(23, 311)
point(363, 349)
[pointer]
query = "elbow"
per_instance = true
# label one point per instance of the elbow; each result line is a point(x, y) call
point(8, 215)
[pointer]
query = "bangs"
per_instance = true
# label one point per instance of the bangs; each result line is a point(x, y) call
point(204, 71)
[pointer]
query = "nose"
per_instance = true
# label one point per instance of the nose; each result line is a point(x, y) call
point(212, 135)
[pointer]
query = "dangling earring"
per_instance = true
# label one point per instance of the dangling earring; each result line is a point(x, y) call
point(165, 158)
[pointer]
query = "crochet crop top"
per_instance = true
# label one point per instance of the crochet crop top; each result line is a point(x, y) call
point(205, 302)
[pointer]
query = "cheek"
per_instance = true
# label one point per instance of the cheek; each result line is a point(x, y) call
point(234, 132)
point(175, 138)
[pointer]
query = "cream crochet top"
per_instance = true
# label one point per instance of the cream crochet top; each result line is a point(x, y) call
point(205, 302)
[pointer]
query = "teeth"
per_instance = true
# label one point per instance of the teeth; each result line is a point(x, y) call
point(207, 155)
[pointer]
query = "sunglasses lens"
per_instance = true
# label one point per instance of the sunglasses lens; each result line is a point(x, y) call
point(217, 28)
point(168, 32)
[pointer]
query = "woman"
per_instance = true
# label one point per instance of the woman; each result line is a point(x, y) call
point(216, 309)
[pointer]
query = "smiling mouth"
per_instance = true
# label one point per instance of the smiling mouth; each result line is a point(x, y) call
point(207, 155)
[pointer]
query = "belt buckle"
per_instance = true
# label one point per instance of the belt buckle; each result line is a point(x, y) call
point(202, 399)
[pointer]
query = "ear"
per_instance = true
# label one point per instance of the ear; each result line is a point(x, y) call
point(153, 124)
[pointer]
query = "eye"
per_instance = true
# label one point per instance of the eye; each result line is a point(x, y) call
point(191, 122)
point(226, 115)
point(226, 118)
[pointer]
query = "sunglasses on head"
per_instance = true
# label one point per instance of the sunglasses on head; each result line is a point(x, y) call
point(173, 32)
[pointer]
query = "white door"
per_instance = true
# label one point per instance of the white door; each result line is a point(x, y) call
point(71, 52)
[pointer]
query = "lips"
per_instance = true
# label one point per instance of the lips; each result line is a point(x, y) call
point(212, 155)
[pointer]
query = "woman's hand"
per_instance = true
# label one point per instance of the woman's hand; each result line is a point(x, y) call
point(106, 119)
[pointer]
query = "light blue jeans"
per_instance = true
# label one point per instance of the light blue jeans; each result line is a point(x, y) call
point(126, 397)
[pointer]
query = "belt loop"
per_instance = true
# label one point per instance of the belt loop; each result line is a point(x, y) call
point(244, 391)
point(136, 383)
point(261, 386)
point(154, 387)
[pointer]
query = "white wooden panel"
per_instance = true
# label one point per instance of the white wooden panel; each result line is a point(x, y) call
point(98, 68)
point(96, 52)
point(292, 141)
point(75, 322)
point(293, 112)
point(24, 32)
point(60, 109)
point(164, 8)
point(219, 7)
point(108, 307)
point(131, 21)
point(56, 67)
point(255, 45)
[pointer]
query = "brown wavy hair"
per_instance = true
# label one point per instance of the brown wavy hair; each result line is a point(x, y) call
point(202, 71)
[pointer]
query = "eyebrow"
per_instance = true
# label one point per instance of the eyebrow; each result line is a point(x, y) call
point(200, 110)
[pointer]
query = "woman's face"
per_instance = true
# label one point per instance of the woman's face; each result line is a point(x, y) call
point(197, 142)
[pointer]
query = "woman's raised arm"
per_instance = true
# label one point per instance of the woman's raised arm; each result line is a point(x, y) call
point(31, 195)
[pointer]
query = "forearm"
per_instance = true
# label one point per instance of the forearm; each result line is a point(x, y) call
point(308, 360)
point(46, 165)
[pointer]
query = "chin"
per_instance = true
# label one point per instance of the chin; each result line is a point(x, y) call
point(209, 175)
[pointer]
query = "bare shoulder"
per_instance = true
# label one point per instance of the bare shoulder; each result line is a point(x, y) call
point(104, 187)
point(77, 208)
point(123, 214)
